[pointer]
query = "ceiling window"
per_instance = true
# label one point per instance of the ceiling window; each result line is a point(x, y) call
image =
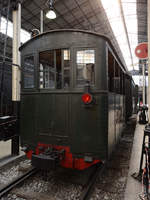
point(115, 17)
point(24, 34)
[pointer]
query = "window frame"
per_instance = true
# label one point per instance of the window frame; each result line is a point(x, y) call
point(111, 82)
point(121, 91)
point(38, 69)
point(22, 72)
point(75, 49)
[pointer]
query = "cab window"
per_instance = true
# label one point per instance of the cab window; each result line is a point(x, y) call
point(85, 62)
point(54, 69)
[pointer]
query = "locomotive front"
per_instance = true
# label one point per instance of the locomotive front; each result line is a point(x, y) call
point(64, 99)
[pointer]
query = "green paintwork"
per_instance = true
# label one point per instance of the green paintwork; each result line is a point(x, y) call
point(60, 117)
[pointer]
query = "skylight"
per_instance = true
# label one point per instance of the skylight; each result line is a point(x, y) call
point(24, 34)
point(113, 12)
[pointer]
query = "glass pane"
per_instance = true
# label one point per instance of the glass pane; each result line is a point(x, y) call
point(66, 78)
point(66, 69)
point(117, 78)
point(55, 69)
point(66, 54)
point(111, 71)
point(58, 69)
point(85, 66)
point(29, 72)
point(47, 69)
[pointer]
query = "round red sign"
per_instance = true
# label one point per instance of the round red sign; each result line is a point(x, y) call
point(141, 51)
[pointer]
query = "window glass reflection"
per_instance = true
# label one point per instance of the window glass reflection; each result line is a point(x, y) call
point(55, 69)
point(85, 66)
point(28, 72)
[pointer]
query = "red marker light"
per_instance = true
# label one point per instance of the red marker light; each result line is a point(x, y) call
point(87, 98)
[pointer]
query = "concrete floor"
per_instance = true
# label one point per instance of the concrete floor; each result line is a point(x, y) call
point(5, 148)
point(134, 187)
point(5, 153)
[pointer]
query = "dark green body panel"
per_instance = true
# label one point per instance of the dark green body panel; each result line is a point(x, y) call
point(28, 118)
point(62, 119)
point(116, 119)
point(53, 115)
point(89, 126)
point(55, 119)
point(50, 121)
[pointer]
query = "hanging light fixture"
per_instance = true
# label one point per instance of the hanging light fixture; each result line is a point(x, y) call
point(51, 13)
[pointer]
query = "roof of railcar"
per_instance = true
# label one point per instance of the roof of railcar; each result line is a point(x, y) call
point(78, 30)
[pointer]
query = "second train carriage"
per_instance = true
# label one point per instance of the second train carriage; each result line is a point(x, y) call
point(76, 95)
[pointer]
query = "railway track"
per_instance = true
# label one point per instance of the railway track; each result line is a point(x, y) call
point(85, 193)
point(4, 190)
point(88, 189)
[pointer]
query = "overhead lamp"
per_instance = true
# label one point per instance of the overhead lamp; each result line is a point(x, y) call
point(51, 13)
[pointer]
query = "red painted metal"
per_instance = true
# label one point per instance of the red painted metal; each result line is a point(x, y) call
point(141, 51)
point(29, 154)
point(68, 161)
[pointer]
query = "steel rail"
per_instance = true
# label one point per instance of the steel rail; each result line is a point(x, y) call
point(87, 191)
point(4, 190)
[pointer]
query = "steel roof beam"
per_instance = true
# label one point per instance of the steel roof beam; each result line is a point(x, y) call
point(126, 31)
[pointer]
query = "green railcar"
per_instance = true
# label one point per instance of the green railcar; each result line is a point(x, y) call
point(73, 98)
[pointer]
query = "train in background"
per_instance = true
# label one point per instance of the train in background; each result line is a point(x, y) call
point(6, 107)
point(8, 121)
point(75, 99)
